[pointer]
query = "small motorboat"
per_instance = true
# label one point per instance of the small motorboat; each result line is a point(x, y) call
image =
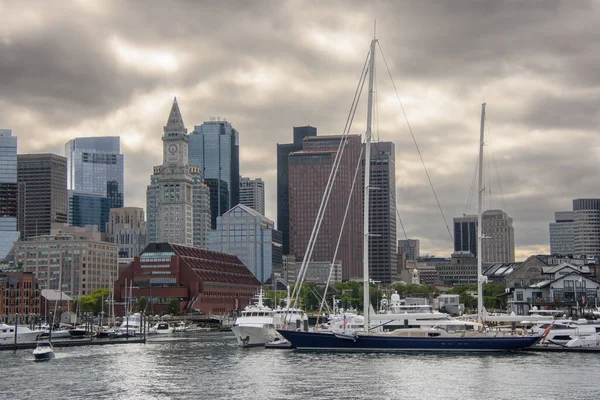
point(44, 351)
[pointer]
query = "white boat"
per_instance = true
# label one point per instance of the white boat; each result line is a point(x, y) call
point(182, 327)
point(24, 334)
point(562, 332)
point(587, 341)
point(255, 325)
point(44, 351)
point(162, 328)
point(60, 333)
point(131, 325)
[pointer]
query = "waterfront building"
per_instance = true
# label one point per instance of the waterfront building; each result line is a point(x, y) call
point(308, 173)
point(55, 300)
point(586, 228)
point(383, 256)
point(252, 194)
point(72, 259)
point(283, 152)
point(461, 270)
point(561, 233)
point(43, 199)
point(8, 192)
point(88, 209)
point(203, 281)
point(539, 282)
point(215, 148)
point(95, 165)
point(19, 294)
point(410, 249)
point(126, 228)
point(178, 201)
point(250, 236)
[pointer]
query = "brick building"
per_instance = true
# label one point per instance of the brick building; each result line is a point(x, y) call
point(202, 280)
point(19, 294)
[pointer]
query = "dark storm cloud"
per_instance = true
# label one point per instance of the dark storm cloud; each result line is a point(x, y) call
point(267, 66)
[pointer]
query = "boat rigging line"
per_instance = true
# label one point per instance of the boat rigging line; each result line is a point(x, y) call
point(329, 186)
point(416, 145)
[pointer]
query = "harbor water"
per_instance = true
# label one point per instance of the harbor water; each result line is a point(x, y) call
point(211, 366)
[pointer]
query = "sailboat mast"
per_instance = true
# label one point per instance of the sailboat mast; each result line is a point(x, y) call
point(366, 291)
point(480, 277)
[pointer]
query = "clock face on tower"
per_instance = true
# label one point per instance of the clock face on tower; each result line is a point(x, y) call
point(172, 148)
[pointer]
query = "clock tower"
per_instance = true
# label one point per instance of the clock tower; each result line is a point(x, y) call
point(175, 139)
point(177, 199)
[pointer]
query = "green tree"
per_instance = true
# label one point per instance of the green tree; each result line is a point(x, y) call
point(173, 306)
point(141, 304)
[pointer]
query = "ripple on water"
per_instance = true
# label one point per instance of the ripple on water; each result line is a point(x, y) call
point(212, 366)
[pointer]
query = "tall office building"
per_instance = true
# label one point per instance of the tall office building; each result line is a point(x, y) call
point(178, 201)
point(410, 249)
point(43, 199)
point(383, 256)
point(586, 216)
point(8, 192)
point(252, 194)
point(465, 234)
point(498, 245)
point(88, 209)
point(283, 198)
point(251, 237)
point(561, 233)
point(126, 228)
point(308, 173)
point(498, 232)
point(215, 147)
point(95, 165)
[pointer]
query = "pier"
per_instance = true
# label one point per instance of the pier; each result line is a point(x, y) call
point(74, 343)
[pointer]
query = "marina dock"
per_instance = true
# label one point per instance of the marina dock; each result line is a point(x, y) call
point(74, 343)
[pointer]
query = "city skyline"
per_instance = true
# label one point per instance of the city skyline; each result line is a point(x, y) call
point(533, 63)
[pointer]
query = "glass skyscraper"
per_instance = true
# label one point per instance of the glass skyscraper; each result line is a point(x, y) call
point(88, 209)
point(8, 191)
point(95, 165)
point(214, 146)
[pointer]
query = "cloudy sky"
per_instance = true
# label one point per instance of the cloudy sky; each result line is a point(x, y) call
point(106, 68)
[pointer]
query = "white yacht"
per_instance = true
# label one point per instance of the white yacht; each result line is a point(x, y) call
point(587, 341)
point(255, 325)
point(24, 334)
point(44, 351)
point(162, 328)
point(131, 325)
point(562, 332)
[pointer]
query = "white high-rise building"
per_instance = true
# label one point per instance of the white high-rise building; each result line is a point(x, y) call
point(561, 233)
point(8, 192)
point(250, 236)
point(252, 194)
point(586, 228)
point(178, 201)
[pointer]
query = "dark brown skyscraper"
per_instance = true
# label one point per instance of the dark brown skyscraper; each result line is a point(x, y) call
point(42, 180)
point(308, 172)
point(283, 208)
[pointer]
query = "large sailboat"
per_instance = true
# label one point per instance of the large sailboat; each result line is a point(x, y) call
point(418, 339)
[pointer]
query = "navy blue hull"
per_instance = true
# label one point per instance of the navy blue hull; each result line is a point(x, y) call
point(326, 341)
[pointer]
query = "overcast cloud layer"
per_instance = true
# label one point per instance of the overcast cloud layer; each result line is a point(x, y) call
point(86, 68)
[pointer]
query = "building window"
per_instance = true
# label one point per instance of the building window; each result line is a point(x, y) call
point(519, 296)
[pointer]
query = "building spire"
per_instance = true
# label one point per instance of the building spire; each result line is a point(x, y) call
point(175, 126)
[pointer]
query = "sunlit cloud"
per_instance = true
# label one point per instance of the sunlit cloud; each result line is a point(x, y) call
point(144, 59)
